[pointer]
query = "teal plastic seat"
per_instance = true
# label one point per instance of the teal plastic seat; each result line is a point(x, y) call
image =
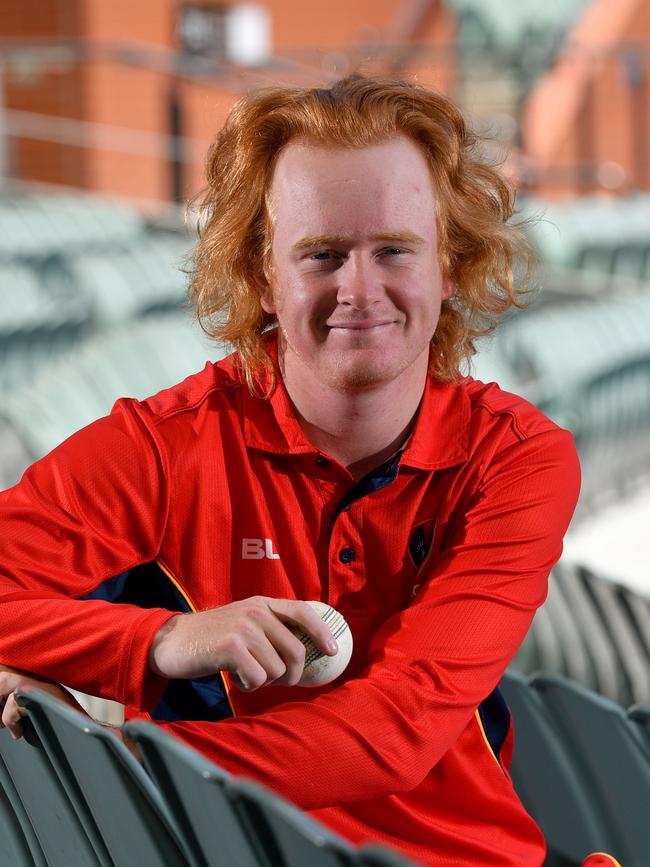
point(295, 839)
point(195, 791)
point(137, 360)
point(552, 787)
point(378, 856)
point(141, 279)
point(639, 717)
point(14, 846)
point(51, 828)
point(614, 759)
point(634, 661)
point(132, 820)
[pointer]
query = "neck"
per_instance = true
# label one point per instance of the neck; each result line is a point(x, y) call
point(360, 429)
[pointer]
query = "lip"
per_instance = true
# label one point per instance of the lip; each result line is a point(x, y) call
point(359, 325)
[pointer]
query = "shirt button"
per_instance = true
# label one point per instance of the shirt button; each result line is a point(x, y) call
point(347, 555)
point(322, 461)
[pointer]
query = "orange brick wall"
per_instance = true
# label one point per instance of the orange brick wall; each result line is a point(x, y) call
point(31, 87)
point(125, 83)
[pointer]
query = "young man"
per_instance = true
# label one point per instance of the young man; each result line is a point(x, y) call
point(340, 456)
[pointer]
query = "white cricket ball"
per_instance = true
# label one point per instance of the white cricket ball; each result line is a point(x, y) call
point(319, 667)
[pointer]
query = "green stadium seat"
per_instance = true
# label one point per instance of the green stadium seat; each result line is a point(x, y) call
point(378, 856)
point(551, 786)
point(137, 360)
point(614, 758)
point(283, 829)
point(634, 661)
point(111, 787)
point(144, 278)
point(639, 717)
point(195, 792)
point(36, 323)
point(630, 261)
point(51, 827)
point(41, 225)
point(595, 632)
point(606, 677)
point(15, 850)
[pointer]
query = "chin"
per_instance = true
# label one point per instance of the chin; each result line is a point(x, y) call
point(355, 377)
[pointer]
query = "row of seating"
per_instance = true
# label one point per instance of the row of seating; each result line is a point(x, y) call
point(38, 225)
point(581, 766)
point(595, 233)
point(594, 631)
point(136, 359)
point(587, 366)
point(72, 794)
point(142, 278)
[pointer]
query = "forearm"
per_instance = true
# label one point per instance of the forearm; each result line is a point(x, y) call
point(94, 647)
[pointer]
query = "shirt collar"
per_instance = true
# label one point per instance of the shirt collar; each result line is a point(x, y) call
point(438, 440)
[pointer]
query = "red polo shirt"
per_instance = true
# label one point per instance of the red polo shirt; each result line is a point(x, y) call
point(438, 560)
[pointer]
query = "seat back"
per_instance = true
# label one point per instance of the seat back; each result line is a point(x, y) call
point(614, 758)
point(295, 838)
point(550, 784)
point(194, 790)
point(45, 824)
point(133, 821)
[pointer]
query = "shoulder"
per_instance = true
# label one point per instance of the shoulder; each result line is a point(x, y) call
point(508, 434)
point(491, 407)
point(218, 383)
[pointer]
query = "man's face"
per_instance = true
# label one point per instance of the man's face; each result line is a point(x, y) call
point(356, 282)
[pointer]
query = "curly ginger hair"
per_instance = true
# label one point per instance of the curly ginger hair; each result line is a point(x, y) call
point(231, 264)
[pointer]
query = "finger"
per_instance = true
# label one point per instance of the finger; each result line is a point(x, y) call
point(289, 652)
point(12, 716)
point(308, 620)
point(245, 671)
point(260, 637)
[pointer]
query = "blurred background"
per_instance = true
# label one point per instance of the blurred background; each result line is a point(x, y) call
point(107, 108)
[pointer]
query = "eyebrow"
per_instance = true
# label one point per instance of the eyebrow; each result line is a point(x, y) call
point(311, 241)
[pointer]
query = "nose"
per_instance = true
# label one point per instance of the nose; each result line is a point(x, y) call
point(359, 284)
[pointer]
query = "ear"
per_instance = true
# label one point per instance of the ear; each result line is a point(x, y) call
point(448, 288)
point(266, 300)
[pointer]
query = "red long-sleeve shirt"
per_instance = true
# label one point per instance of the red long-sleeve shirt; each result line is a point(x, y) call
point(438, 561)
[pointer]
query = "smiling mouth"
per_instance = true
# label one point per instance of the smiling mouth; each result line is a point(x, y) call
point(362, 325)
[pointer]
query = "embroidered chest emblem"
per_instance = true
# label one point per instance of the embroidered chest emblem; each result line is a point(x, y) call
point(421, 540)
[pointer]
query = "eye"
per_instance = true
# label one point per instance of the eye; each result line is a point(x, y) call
point(321, 255)
point(393, 251)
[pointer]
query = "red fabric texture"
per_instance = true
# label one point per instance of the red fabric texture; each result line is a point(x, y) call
point(393, 752)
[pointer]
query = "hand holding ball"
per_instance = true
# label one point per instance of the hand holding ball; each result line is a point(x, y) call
point(320, 668)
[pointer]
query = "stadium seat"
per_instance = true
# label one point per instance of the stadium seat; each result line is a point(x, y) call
point(51, 827)
point(607, 678)
point(110, 786)
point(285, 830)
point(40, 225)
point(14, 847)
point(550, 784)
point(614, 759)
point(639, 717)
point(378, 856)
point(137, 359)
point(598, 635)
point(141, 279)
point(634, 662)
point(195, 792)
